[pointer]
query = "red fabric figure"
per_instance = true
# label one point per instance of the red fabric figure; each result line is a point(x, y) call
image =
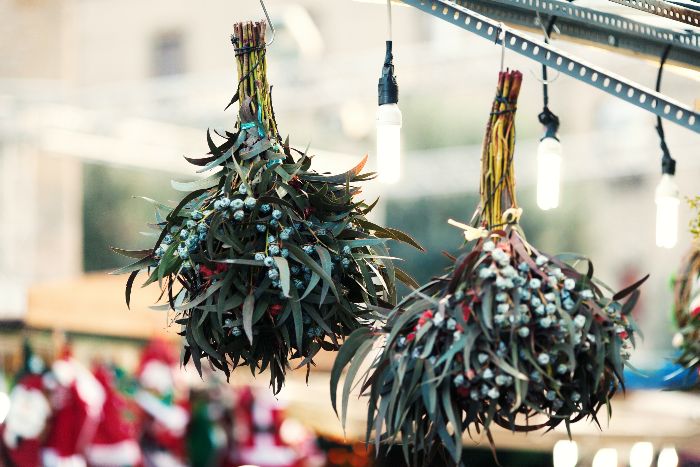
point(164, 415)
point(77, 399)
point(25, 423)
point(259, 420)
point(114, 443)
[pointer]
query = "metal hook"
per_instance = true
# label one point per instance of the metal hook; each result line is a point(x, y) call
point(501, 35)
point(272, 28)
point(545, 81)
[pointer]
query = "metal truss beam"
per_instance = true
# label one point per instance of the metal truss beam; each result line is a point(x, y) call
point(599, 78)
point(602, 29)
point(665, 10)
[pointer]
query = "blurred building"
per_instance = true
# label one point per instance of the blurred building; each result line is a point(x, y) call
point(117, 91)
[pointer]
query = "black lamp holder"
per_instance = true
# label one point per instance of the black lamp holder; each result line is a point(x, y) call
point(550, 122)
point(388, 88)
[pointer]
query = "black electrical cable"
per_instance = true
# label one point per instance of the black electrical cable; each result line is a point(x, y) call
point(547, 117)
point(548, 32)
point(668, 164)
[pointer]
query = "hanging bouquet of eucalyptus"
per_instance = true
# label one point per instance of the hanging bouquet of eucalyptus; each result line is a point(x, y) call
point(510, 336)
point(266, 260)
point(686, 307)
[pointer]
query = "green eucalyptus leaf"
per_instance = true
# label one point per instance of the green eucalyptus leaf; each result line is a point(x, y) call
point(299, 254)
point(136, 266)
point(248, 308)
point(355, 365)
point(203, 183)
point(285, 278)
point(345, 355)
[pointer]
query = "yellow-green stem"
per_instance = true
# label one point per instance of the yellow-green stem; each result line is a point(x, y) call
point(253, 88)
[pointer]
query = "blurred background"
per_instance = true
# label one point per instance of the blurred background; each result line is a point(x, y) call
point(100, 100)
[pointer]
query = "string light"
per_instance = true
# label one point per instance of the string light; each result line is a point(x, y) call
point(549, 154)
point(565, 454)
point(667, 193)
point(642, 454)
point(668, 457)
point(667, 206)
point(605, 457)
point(549, 151)
point(389, 118)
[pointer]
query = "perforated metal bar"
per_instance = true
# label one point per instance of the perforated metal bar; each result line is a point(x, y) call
point(664, 9)
point(604, 80)
point(589, 25)
point(614, 23)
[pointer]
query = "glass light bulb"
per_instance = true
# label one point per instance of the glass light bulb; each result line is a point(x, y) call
point(605, 457)
point(642, 454)
point(667, 206)
point(668, 457)
point(565, 454)
point(389, 122)
point(549, 154)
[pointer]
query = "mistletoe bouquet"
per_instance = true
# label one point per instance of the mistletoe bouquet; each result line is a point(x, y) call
point(266, 260)
point(687, 301)
point(510, 334)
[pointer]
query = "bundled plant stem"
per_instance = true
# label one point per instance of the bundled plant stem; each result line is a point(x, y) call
point(497, 171)
point(249, 40)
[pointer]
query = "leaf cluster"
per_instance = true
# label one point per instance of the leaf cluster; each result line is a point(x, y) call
point(507, 335)
point(265, 260)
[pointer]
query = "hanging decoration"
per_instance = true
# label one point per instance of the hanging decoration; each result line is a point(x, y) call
point(163, 408)
point(152, 417)
point(115, 441)
point(77, 402)
point(686, 307)
point(25, 425)
point(266, 260)
point(510, 336)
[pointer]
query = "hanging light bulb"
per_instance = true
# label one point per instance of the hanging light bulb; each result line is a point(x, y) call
point(668, 457)
point(389, 118)
point(389, 143)
point(605, 457)
point(667, 194)
point(549, 155)
point(642, 454)
point(565, 454)
point(667, 205)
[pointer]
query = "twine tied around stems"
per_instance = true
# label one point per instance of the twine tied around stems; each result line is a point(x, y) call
point(499, 205)
point(253, 92)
